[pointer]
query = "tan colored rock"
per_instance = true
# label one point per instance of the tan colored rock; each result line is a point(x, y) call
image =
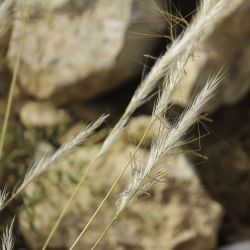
point(178, 215)
point(225, 47)
point(78, 49)
point(136, 129)
point(34, 114)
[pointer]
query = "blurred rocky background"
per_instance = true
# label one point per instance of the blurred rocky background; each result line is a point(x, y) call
point(82, 58)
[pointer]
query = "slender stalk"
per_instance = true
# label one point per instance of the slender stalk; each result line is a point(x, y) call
point(13, 84)
point(69, 202)
point(113, 186)
point(116, 216)
point(104, 232)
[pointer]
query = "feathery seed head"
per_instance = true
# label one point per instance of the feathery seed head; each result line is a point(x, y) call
point(7, 238)
point(3, 196)
point(166, 144)
point(50, 158)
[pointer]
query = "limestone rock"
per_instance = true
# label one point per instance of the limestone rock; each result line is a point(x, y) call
point(34, 114)
point(225, 46)
point(78, 49)
point(177, 215)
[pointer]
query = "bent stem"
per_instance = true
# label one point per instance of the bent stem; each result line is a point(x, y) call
point(112, 187)
point(12, 85)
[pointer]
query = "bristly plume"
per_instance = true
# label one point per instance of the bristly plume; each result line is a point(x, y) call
point(7, 238)
point(166, 144)
point(3, 196)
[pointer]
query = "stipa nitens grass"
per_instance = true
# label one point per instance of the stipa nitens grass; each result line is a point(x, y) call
point(168, 68)
point(172, 63)
point(6, 17)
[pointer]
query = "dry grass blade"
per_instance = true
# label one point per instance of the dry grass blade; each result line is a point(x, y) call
point(5, 9)
point(7, 238)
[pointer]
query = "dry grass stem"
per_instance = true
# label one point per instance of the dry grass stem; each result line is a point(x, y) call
point(4, 10)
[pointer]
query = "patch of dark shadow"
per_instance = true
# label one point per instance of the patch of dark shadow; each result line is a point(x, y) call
point(76, 7)
point(185, 8)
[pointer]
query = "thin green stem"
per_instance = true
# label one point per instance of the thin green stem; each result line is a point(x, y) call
point(12, 86)
point(112, 187)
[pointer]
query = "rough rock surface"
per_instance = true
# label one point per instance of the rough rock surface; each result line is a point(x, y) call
point(177, 215)
point(136, 129)
point(226, 45)
point(82, 48)
point(35, 114)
